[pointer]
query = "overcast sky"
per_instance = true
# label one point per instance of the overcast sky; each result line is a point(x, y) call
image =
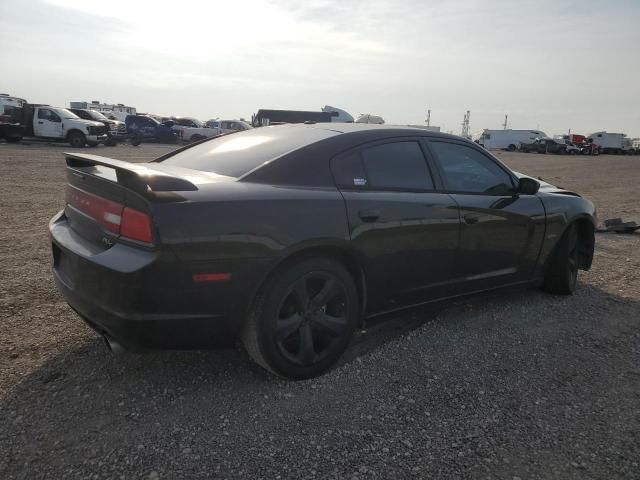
point(552, 65)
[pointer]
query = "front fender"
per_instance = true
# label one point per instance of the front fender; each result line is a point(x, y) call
point(562, 210)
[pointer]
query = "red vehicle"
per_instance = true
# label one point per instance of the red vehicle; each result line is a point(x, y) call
point(581, 141)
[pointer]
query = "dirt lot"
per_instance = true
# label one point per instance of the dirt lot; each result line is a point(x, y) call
point(514, 384)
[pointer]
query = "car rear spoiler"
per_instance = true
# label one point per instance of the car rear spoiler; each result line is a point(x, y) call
point(140, 177)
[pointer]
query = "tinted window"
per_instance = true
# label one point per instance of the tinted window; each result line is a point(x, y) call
point(467, 170)
point(348, 171)
point(44, 114)
point(397, 165)
point(81, 114)
point(234, 155)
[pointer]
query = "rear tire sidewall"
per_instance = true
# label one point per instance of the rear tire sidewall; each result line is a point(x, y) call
point(274, 295)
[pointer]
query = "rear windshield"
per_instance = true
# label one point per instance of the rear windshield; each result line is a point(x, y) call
point(238, 153)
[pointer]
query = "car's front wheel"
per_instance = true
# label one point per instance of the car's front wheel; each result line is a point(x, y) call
point(302, 322)
point(562, 268)
point(77, 139)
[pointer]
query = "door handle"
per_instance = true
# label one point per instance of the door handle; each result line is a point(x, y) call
point(40, 123)
point(471, 218)
point(369, 215)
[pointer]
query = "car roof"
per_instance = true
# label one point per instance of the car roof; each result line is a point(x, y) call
point(368, 127)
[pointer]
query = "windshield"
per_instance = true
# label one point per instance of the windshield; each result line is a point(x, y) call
point(188, 122)
point(97, 115)
point(238, 153)
point(64, 113)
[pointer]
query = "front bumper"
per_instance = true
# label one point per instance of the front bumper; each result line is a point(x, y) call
point(97, 138)
point(139, 298)
point(118, 135)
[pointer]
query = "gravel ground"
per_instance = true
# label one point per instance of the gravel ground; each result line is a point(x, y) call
point(508, 385)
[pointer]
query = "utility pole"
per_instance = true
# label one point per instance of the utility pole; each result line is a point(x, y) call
point(505, 124)
point(428, 120)
point(465, 125)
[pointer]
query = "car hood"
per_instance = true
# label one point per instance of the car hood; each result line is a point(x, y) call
point(91, 123)
point(546, 187)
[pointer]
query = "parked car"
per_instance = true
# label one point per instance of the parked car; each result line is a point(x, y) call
point(145, 128)
point(548, 145)
point(288, 237)
point(571, 147)
point(228, 126)
point(584, 144)
point(192, 129)
point(117, 130)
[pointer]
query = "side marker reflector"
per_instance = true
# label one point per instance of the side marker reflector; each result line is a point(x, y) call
point(211, 277)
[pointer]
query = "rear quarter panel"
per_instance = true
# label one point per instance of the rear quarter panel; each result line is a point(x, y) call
point(248, 229)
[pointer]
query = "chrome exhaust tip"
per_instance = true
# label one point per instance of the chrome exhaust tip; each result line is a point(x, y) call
point(113, 346)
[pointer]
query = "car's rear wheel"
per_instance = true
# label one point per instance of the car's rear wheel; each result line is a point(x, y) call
point(562, 268)
point(302, 322)
point(512, 148)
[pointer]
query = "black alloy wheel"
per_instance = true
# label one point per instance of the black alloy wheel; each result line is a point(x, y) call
point(304, 320)
point(311, 319)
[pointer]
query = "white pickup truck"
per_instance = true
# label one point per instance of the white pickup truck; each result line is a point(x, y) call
point(56, 123)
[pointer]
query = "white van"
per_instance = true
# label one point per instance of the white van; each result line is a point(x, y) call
point(508, 139)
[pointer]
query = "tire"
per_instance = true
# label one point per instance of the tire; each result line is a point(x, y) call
point(512, 148)
point(302, 321)
point(136, 140)
point(562, 268)
point(110, 143)
point(93, 144)
point(77, 139)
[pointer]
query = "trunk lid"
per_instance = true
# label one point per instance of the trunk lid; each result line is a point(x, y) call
point(110, 201)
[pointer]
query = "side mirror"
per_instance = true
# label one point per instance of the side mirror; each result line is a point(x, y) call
point(528, 186)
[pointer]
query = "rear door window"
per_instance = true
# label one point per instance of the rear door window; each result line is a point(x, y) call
point(397, 165)
point(348, 171)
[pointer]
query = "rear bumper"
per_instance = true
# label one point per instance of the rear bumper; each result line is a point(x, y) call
point(143, 300)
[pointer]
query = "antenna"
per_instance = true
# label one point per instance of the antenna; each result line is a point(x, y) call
point(465, 125)
point(506, 123)
point(428, 120)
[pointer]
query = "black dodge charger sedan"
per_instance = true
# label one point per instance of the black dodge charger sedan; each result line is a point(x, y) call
point(287, 237)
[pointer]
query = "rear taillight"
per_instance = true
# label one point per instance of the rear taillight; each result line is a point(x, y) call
point(106, 212)
point(136, 225)
point(112, 216)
